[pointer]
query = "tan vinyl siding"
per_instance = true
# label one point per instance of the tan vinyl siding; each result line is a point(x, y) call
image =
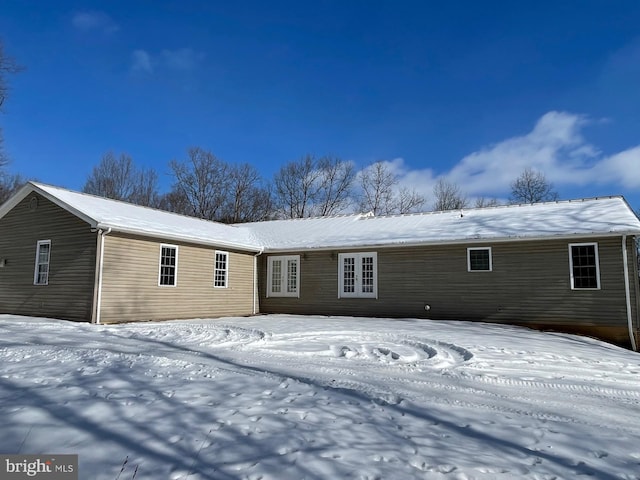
point(130, 290)
point(69, 293)
point(529, 284)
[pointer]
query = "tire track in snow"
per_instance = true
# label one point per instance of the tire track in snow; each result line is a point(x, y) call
point(536, 385)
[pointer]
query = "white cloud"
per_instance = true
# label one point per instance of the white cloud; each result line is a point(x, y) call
point(182, 59)
point(94, 20)
point(141, 62)
point(555, 146)
point(622, 168)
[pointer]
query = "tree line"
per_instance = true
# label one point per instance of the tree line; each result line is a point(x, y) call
point(207, 187)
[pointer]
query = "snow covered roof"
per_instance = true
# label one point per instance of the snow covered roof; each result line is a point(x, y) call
point(125, 217)
point(597, 216)
point(575, 218)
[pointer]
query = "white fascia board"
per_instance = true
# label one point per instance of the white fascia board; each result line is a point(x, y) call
point(463, 241)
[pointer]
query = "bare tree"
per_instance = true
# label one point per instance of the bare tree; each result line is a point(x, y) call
point(314, 186)
point(10, 184)
point(448, 196)
point(409, 201)
point(482, 202)
point(378, 183)
point(145, 191)
point(112, 177)
point(336, 184)
point(380, 193)
point(296, 187)
point(4, 160)
point(248, 200)
point(532, 187)
point(8, 66)
point(209, 188)
point(120, 179)
point(203, 183)
point(173, 201)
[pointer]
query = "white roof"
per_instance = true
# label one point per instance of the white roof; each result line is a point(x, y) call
point(589, 217)
point(575, 218)
point(125, 217)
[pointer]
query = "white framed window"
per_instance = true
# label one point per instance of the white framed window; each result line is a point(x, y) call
point(168, 271)
point(479, 259)
point(221, 269)
point(283, 276)
point(43, 257)
point(584, 266)
point(358, 275)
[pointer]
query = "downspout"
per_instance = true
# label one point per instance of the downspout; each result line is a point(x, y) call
point(255, 280)
point(101, 235)
point(627, 292)
point(635, 275)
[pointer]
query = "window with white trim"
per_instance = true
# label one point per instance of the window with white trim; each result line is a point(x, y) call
point(168, 274)
point(43, 256)
point(358, 275)
point(283, 276)
point(584, 266)
point(221, 269)
point(479, 259)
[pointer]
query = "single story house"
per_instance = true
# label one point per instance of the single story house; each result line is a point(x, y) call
point(568, 265)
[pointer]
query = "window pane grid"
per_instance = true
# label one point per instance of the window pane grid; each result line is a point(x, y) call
point(479, 259)
point(276, 276)
point(349, 277)
point(367, 274)
point(584, 263)
point(292, 277)
point(168, 257)
point(220, 270)
point(43, 274)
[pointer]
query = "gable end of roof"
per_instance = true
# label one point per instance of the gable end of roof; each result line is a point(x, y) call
point(33, 187)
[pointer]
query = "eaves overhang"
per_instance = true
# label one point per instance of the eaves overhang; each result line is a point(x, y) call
point(458, 241)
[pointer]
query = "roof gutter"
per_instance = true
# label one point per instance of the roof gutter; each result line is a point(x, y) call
point(627, 292)
point(461, 241)
point(99, 274)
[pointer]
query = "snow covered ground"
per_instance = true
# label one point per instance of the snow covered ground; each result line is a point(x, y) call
point(292, 397)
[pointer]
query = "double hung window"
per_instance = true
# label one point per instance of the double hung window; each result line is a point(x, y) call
point(584, 266)
point(43, 255)
point(168, 273)
point(221, 270)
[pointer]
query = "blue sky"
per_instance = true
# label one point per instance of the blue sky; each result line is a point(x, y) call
point(470, 91)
